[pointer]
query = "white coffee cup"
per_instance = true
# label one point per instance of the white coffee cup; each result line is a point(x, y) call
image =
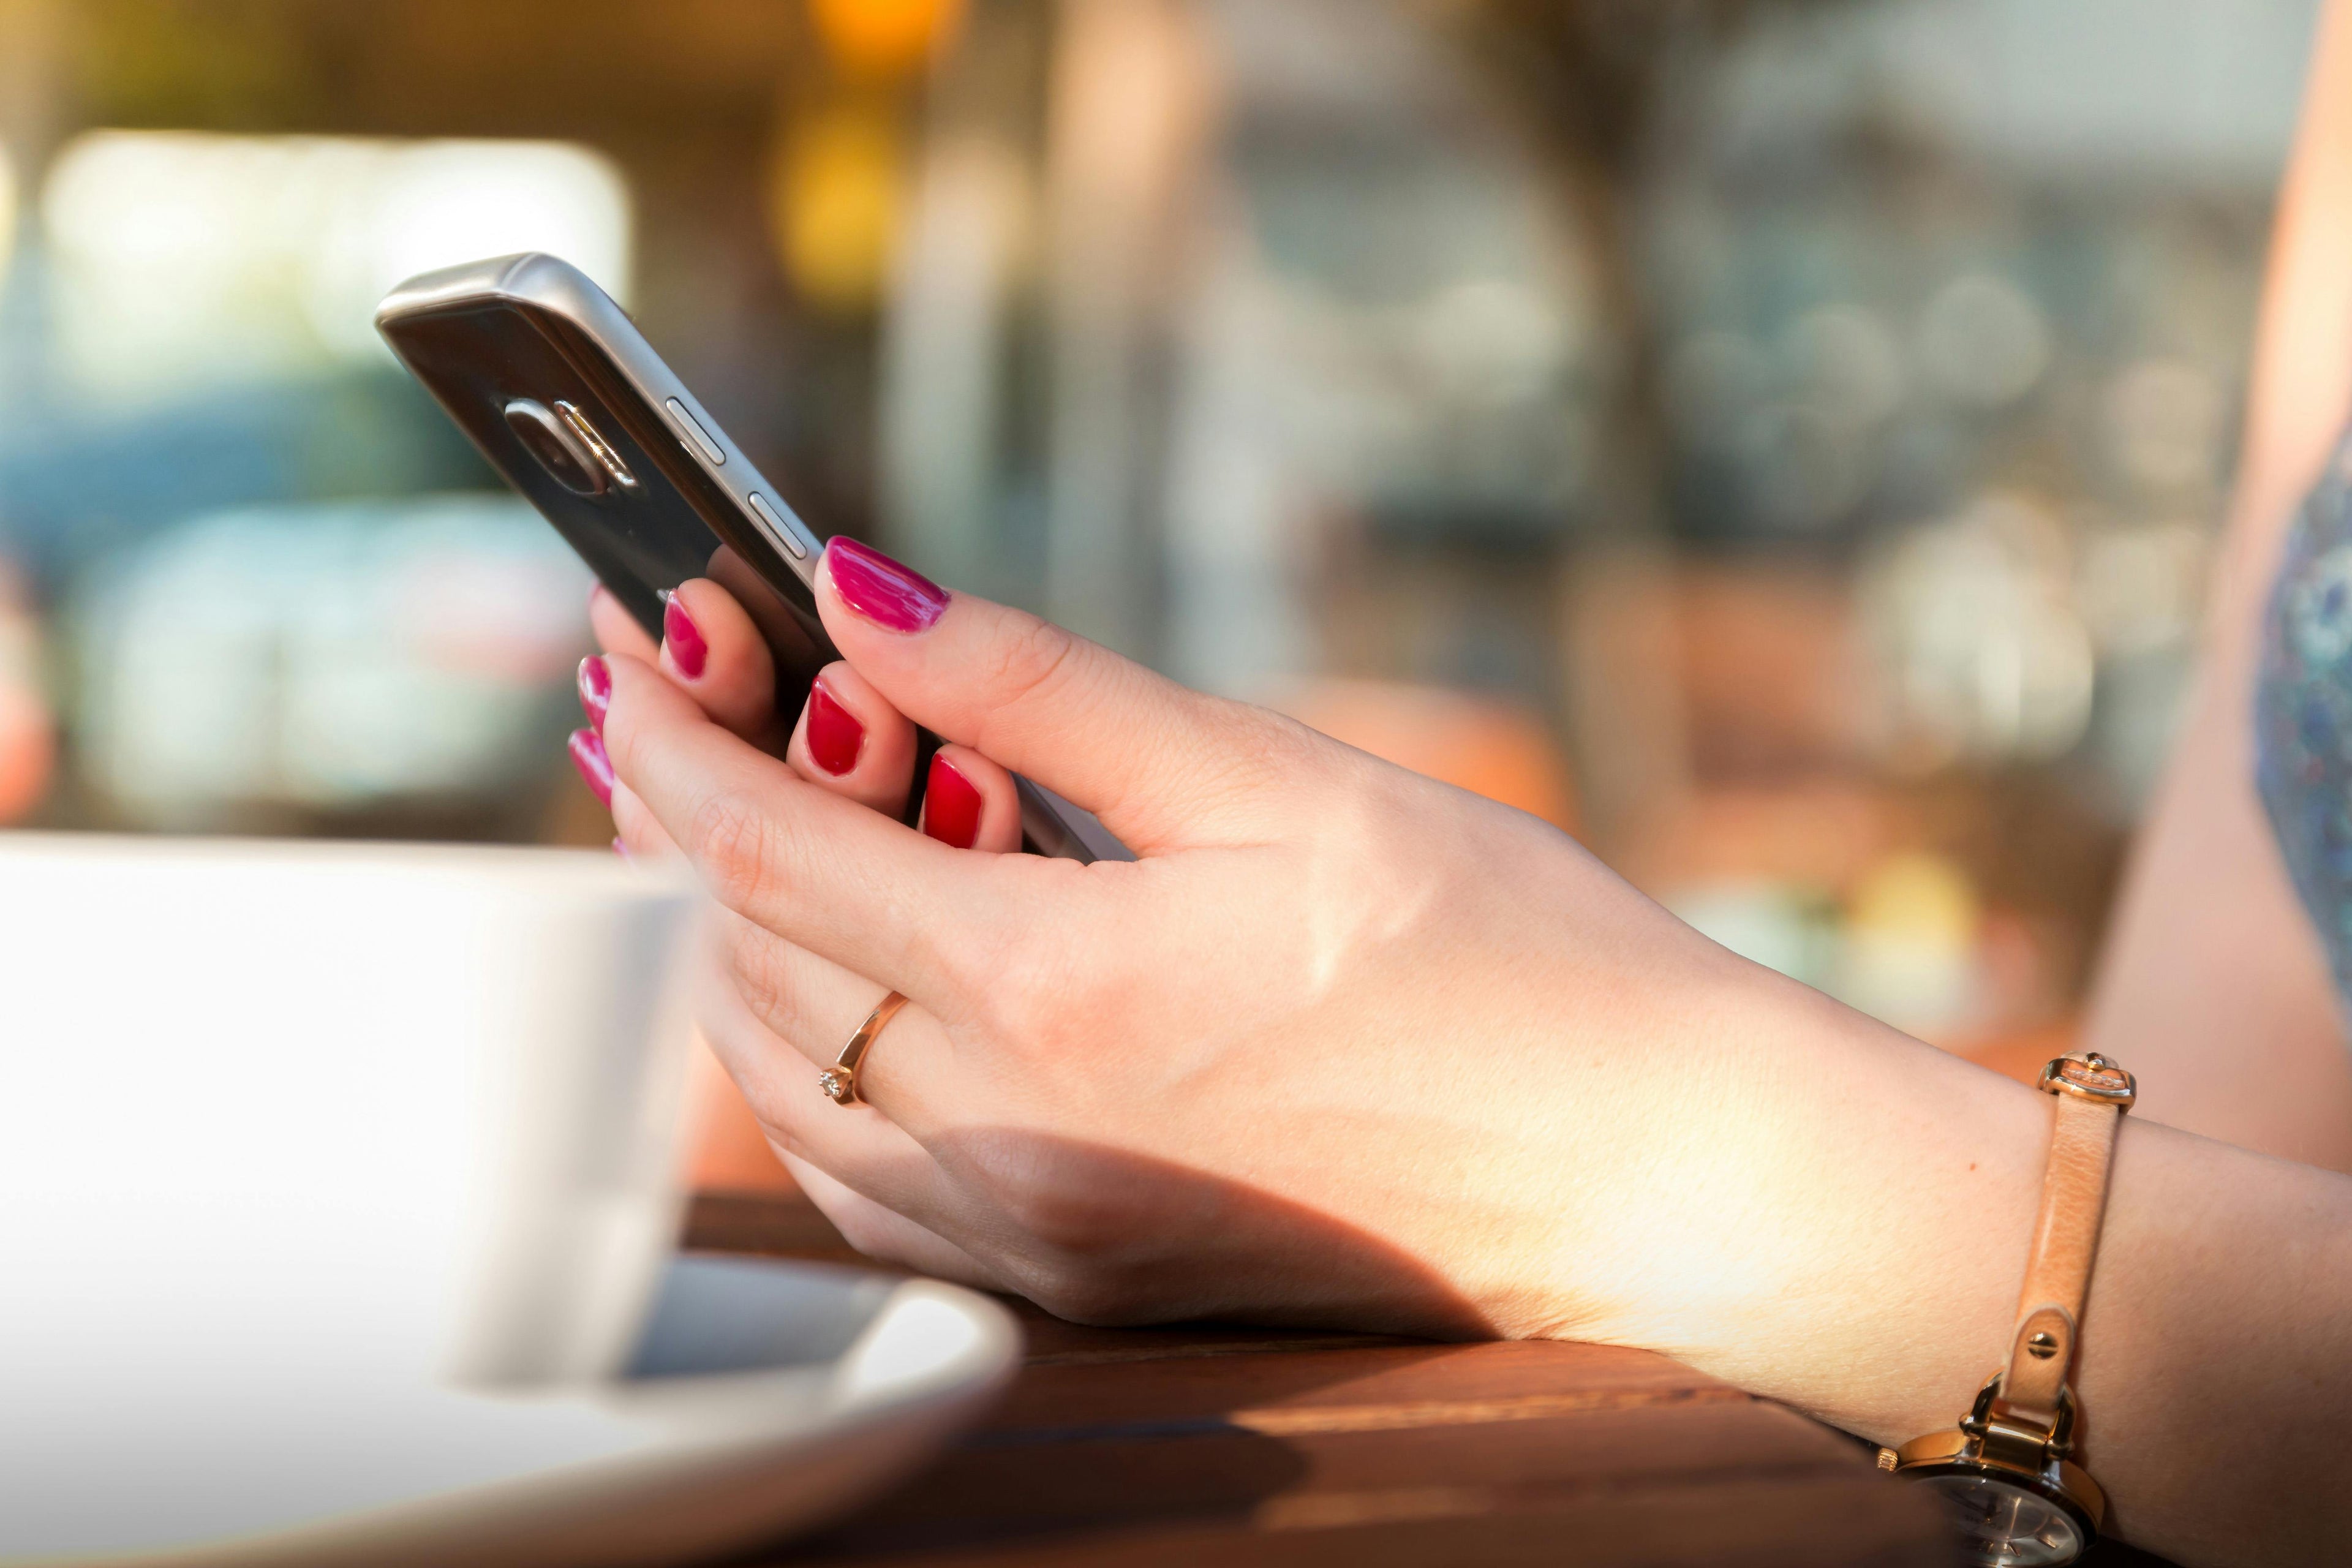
point(280, 1115)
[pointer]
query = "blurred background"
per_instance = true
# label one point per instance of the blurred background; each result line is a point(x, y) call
point(1781, 443)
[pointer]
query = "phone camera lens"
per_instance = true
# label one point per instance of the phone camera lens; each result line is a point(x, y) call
point(556, 449)
point(584, 430)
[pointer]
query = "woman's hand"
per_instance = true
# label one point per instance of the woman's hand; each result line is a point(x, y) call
point(1348, 1046)
point(1343, 1043)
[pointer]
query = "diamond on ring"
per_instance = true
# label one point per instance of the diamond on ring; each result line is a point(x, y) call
point(840, 1079)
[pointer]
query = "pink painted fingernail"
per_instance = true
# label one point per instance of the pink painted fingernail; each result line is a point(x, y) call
point(896, 598)
point(596, 691)
point(835, 735)
point(588, 755)
point(950, 805)
point(683, 638)
point(622, 850)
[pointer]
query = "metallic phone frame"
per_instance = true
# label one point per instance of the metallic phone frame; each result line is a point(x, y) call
point(546, 286)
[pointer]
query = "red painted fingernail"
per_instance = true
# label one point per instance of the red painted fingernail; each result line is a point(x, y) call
point(596, 691)
point(588, 755)
point(896, 598)
point(950, 805)
point(835, 735)
point(683, 638)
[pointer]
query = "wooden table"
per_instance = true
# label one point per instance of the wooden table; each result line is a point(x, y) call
point(1235, 1446)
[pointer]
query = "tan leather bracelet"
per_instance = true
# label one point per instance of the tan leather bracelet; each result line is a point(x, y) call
point(2007, 1468)
point(2093, 1094)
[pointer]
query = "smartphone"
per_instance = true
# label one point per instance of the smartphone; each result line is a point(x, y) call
point(549, 378)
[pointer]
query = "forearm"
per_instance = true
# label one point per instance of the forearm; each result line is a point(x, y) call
point(2213, 987)
point(2215, 1370)
point(2217, 1352)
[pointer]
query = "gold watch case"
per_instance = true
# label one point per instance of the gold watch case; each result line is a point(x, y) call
point(1993, 1467)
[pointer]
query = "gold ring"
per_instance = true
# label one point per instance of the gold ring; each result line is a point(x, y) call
point(840, 1080)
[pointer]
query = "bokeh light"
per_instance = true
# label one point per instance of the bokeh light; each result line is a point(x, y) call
point(833, 203)
point(182, 256)
point(7, 212)
point(1785, 444)
point(884, 37)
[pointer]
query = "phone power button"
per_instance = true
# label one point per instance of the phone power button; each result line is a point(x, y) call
point(695, 436)
point(775, 526)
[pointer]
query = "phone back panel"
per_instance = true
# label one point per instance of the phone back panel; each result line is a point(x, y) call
point(477, 355)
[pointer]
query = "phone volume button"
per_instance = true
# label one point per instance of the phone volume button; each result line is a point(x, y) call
point(778, 530)
point(695, 436)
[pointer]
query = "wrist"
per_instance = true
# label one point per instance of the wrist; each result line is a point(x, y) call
point(1845, 1222)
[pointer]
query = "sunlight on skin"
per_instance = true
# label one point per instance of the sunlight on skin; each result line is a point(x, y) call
point(1348, 1047)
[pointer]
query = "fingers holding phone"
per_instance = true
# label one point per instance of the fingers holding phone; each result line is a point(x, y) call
point(970, 803)
point(712, 649)
point(849, 741)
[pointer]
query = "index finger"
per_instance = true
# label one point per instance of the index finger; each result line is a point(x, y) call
point(1162, 765)
point(816, 868)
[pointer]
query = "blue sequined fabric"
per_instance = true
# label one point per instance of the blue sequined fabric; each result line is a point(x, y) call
point(2303, 710)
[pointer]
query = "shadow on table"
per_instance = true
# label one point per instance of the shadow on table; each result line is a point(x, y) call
point(1109, 1426)
point(991, 1486)
point(1223, 1443)
point(1105, 1236)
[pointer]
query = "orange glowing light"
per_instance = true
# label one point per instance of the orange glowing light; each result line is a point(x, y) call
point(29, 752)
point(883, 38)
point(834, 204)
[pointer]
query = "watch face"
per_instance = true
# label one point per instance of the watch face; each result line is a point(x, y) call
point(2008, 1526)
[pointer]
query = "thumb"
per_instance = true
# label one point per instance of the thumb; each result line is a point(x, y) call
point(1138, 750)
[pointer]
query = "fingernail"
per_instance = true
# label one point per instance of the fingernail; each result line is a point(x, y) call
point(835, 735)
point(588, 755)
point(622, 850)
point(596, 691)
point(950, 805)
point(683, 638)
point(896, 598)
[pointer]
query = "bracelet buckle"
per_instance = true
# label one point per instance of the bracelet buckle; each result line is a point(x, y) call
point(2089, 1076)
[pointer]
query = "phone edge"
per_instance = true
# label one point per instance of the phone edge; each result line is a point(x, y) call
point(1055, 827)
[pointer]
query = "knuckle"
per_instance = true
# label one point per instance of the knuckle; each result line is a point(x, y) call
point(866, 1228)
point(988, 972)
point(1064, 1208)
point(779, 1129)
point(1083, 1296)
point(762, 973)
point(1035, 999)
point(1263, 750)
point(731, 843)
point(1057, 1217)
point(1082, 1232)
point(964, 960)
point(1032, 662)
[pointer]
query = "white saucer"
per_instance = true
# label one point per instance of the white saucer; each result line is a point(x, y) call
point(763, 1397)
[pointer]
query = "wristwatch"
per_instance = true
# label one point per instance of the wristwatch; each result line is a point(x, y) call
point(2020, 1500)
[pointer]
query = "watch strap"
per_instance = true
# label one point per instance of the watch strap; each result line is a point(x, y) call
point(2092, 1095)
